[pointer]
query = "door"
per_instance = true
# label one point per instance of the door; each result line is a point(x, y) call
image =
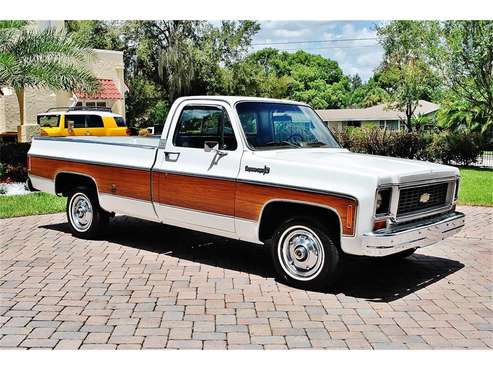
point(95, 125)
point(195, 180)
point(75, 125)
point(84, 124)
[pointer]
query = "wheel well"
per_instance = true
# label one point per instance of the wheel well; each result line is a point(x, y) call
point(64, 182)
point(278, 212)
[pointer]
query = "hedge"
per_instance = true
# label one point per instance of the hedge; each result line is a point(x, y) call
point(446, 147)
point(13, 162)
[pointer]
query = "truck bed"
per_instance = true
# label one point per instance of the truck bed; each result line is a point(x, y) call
point(120, 166)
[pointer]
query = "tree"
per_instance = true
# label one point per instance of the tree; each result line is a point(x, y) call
point(176, 69)
point(404, 70)
point(99, 34)
point(355, 81)
point(167, 59)
point(302, 76)
point(464, 59)
point(42, 59)
point(369, 94)
point(459, 114)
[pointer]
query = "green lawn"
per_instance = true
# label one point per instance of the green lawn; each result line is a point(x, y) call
point(476, 187)
point(30, 204)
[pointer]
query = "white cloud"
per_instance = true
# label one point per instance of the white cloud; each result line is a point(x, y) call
point(357, 56)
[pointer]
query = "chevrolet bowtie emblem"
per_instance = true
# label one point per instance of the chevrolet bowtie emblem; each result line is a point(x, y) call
point(424, 198)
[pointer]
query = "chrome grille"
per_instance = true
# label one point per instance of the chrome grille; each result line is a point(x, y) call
point(422, 198)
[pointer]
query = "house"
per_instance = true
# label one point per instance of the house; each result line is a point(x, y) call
point(107, 66)
point(376, 116)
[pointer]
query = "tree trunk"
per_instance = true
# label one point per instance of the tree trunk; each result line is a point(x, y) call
point(22, 109)
point(409, 116)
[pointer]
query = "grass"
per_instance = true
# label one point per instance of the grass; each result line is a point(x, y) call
point(476, 187)
point(31, 204)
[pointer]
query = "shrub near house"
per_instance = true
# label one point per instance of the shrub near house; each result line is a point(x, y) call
point(13, 162)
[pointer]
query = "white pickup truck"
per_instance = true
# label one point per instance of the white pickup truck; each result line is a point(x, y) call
point(260, 170)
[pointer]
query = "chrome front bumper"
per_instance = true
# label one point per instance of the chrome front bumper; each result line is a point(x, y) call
point(413, 235)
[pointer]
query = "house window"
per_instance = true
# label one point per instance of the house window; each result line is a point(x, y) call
point(93, 104)
point(382, 124)
point(393, 125)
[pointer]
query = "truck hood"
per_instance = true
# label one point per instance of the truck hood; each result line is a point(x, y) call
point(384, 169)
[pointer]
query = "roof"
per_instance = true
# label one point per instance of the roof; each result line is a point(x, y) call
point(77, 112)
point(375, 113)
point(107, 90)
point(235, 99)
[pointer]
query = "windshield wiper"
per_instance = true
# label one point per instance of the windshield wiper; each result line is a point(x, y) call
point(281, 143)
point(316, 144)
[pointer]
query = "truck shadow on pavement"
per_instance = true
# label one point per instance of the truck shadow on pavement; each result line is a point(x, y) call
point(364, 278)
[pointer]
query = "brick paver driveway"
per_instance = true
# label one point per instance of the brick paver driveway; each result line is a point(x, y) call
point(152, 286)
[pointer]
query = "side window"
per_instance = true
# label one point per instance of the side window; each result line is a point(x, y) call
point(48, 121)
point(77, 120)
point(198, 124)
point(94, 121)
point(120, 122)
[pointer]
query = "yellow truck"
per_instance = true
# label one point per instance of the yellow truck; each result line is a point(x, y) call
point(81, 121)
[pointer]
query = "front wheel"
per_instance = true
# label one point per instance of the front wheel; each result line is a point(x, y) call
point(86, 218)
point(304, 254)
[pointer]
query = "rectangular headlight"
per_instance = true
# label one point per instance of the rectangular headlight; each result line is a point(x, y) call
point(383, 202)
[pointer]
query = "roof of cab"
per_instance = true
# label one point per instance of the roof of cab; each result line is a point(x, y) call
point(232, 100)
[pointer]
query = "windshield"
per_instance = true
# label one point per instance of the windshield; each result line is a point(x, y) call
point(277, 125)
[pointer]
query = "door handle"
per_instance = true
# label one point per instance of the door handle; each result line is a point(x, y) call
point(171, 156)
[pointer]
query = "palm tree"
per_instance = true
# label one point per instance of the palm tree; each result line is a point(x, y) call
point(46, 58)
point(461, 115)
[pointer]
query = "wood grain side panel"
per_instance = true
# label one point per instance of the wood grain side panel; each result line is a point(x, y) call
point(250, 199)
point(131, 183)
point(197, 193)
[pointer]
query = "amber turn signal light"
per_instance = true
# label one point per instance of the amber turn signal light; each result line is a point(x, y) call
point(379, 224)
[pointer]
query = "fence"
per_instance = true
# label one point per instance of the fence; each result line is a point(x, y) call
point(485, 159)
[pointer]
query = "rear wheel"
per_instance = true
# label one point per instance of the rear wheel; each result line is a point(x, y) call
point(85, 217)
point(304, 254)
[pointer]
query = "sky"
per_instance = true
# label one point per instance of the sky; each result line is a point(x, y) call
point(354, 57)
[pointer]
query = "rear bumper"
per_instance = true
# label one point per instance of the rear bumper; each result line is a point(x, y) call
point(413, 235)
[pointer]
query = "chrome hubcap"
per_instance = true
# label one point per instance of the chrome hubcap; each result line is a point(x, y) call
point(80, 212)
point(301, 253)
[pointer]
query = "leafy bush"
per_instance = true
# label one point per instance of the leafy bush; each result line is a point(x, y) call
point(13, 161)
point(383, 142)
point(460, 148)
